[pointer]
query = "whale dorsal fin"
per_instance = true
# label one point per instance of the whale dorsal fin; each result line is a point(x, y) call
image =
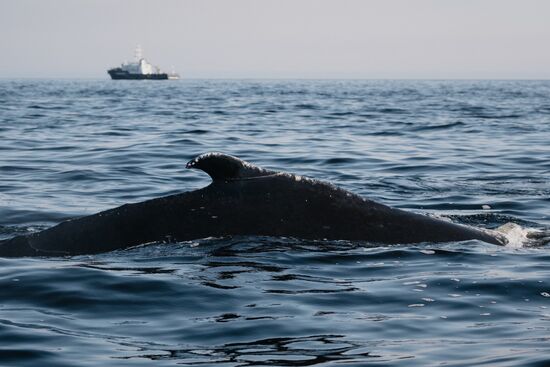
point(221, 166)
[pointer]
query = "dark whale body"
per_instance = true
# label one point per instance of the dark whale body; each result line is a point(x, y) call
point(241, 200)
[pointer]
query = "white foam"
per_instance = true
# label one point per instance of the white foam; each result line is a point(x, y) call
point(514, 233)
point(518, 236)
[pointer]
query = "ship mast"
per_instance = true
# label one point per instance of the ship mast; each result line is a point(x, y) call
point(138, 53)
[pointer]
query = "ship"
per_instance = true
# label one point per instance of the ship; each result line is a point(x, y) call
point(140, 69)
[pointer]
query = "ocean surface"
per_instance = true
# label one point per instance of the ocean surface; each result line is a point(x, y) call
point(476, 152)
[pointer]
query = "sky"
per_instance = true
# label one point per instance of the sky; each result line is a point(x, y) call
point(373, 39)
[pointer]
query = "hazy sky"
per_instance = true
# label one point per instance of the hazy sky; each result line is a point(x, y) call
point(279, 38)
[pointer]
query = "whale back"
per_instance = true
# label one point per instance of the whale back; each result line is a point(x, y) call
point(242, 200)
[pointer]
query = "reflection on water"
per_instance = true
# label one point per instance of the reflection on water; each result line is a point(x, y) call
point(301, 351)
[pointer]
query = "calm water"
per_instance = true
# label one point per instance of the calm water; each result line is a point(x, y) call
point(475, 151)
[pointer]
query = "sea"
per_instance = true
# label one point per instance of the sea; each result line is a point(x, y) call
point(476, 152)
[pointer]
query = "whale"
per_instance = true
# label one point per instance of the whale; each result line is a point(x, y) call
point(243, 200)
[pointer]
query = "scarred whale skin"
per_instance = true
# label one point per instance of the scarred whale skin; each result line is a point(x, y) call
point(242, 200)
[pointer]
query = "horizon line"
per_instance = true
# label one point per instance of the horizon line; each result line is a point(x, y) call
point(292, 78)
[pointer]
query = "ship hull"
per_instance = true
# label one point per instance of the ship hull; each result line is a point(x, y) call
point(119, 74)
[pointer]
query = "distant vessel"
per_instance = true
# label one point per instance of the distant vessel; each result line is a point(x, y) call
point(140, 69)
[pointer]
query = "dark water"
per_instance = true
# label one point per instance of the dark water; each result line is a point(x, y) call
point(475, 151)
